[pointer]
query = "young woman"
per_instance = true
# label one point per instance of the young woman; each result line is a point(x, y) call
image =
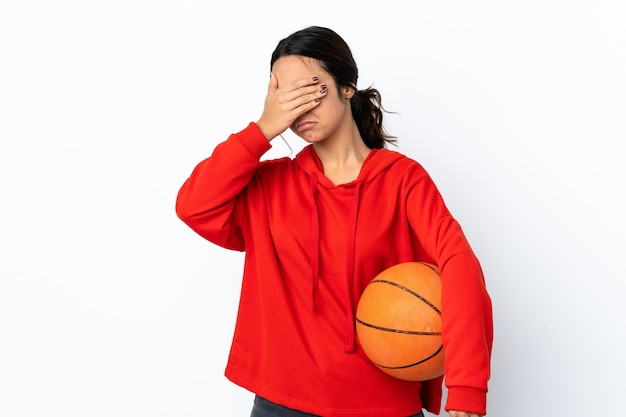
point(316, 229)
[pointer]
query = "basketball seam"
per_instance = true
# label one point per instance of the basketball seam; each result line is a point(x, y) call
point(413, 364)
point(410, 291)
point(430, 266)
point(387, 329)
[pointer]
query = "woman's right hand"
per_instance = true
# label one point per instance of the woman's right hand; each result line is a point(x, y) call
point(285, 103)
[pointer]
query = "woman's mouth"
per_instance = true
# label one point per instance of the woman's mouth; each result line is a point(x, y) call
point(302, 126)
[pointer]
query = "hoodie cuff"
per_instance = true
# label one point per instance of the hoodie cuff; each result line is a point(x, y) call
point(469, 400)
point(253, 140)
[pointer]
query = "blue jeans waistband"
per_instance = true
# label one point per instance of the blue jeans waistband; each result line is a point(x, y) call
point(265, 408)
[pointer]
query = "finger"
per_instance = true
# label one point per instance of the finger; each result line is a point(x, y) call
point(311, 98)
point(296, 85)
point(305, 107)
point(303, 95)
point(273, 86)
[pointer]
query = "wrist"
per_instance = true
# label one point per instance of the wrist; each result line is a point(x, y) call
point(267, 130)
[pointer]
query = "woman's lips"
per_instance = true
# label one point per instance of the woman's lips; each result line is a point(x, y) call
point(302, 126)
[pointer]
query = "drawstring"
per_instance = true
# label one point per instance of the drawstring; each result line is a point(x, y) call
point(315, 250)
point(349, 343)
point(354, 211)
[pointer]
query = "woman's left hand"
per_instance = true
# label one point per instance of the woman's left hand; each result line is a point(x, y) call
point(454, 413)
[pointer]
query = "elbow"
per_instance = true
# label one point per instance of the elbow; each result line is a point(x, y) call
point(184, 210)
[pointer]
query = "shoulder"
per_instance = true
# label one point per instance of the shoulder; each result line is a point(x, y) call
point(274, 168)
point(402, 163)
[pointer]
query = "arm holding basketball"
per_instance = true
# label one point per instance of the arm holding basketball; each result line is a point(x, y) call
point(465, 306)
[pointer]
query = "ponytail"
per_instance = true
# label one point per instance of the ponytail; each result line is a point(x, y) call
point(367, 111)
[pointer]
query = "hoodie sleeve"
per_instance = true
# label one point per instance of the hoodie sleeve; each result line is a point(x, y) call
point(466, 315)
point(207, 200)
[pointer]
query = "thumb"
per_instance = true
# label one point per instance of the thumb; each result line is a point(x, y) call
point(273, 83)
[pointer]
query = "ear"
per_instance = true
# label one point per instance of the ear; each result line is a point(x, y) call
point(348, 92)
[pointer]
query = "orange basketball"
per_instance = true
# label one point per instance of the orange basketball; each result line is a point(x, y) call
point(398, 321)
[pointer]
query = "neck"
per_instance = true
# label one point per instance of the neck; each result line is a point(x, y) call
point(343, 156)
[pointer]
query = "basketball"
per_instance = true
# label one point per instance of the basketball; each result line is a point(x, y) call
point(398, 321)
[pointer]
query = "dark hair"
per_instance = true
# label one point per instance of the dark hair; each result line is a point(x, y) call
point(334, 56)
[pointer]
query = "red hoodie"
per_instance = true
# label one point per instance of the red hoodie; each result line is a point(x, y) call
point(311, 248)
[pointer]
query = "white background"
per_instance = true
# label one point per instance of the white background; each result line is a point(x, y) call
point(110, 306)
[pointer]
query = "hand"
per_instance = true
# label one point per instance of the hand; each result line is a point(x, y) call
point(455, 413)
point(284, 104)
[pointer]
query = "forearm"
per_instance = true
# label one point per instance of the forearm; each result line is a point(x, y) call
point(467, 328)
point(206, 201)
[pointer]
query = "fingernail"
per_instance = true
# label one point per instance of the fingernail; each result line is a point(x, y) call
point(323, 88)
point(315, 79)
point(317, 100)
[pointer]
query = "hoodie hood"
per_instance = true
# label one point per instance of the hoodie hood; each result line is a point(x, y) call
point(376, 162)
